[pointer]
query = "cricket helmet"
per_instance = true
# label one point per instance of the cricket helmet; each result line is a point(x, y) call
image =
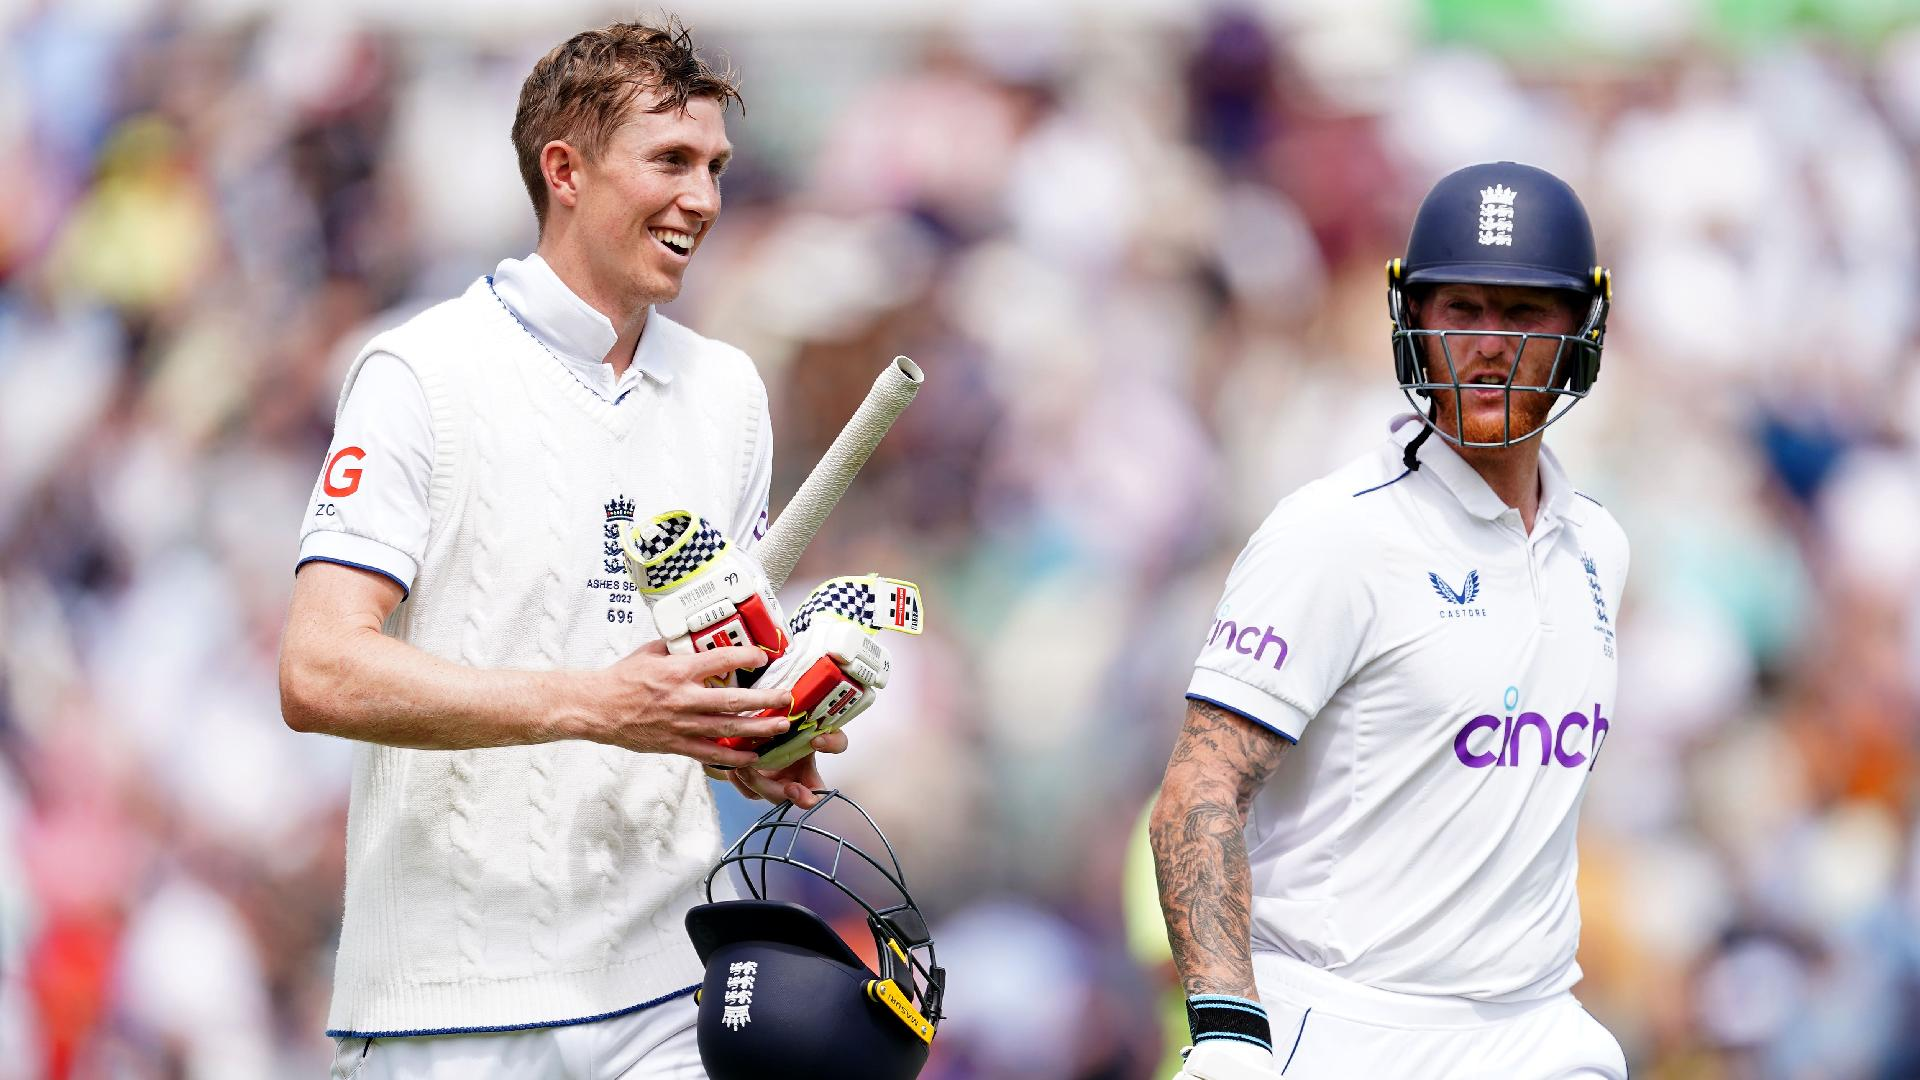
point(784, 995)
point(1501, 223)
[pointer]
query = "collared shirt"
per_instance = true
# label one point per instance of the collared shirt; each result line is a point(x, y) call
point(385, 419)
point(572, 330)
point(1449, 678)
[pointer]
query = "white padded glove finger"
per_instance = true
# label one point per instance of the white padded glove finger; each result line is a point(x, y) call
point(703, 592)
point(1228, 1059)
point(835, 664)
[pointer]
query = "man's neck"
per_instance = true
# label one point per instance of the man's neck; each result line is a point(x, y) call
point(1513, 472)
point(628, 319)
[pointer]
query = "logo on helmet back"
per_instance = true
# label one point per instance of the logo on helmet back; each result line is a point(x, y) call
point(1496, 216)
point(775, 968)
point(738, 1010)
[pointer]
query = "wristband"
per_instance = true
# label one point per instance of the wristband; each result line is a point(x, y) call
point(1222, 1016)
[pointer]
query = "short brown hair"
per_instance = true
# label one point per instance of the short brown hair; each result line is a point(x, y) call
point(580, 90)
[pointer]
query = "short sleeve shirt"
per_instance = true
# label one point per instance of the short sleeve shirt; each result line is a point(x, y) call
point(1449, 678)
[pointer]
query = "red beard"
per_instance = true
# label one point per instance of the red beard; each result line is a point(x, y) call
point(1488, 423)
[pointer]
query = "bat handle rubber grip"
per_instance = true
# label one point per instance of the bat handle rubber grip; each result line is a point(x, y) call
point(800, 521)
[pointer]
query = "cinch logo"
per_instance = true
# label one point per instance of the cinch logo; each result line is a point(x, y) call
point(350, 477)
point(1248, 640)
point(1573, 742)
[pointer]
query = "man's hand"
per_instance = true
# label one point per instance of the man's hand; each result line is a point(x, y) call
point(654, 702)
point(834, 665)
point(796, 782)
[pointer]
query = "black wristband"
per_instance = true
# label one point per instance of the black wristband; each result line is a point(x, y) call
point(1221, 1016)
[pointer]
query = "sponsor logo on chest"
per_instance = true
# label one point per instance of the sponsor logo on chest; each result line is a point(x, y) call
point(1459, 602)
point(1523, 738)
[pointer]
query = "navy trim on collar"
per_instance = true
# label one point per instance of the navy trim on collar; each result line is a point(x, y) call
point(1389, 483)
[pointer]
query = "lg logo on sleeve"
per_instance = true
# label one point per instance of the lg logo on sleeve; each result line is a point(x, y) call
point(348, 476)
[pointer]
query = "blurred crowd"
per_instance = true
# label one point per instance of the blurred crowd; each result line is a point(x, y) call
point(1140, 262)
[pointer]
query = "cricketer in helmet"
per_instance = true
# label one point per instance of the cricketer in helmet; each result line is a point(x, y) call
point(1366, 837)
point(1499, 308)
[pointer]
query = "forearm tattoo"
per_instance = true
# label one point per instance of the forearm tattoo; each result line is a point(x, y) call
point(1200, 850)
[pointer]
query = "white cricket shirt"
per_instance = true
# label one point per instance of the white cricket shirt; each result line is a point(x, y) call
point(1449, 680)
point(369, 508)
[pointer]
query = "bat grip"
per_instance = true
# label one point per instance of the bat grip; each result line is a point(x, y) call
point(800, 521)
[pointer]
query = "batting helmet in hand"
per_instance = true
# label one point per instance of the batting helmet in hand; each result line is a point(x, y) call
point(784, 995)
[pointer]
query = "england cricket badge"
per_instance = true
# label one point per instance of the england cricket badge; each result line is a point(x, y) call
point(1601, 622)
point(619, 509)
point(611, 580)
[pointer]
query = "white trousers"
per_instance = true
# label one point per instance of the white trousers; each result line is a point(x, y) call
point(1327, 1028)
point(655, 1043)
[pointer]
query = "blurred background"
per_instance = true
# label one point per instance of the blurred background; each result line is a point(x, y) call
point(1137, 248)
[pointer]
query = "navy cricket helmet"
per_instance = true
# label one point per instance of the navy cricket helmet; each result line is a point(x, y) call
point(1501, 223)
point(784, 995)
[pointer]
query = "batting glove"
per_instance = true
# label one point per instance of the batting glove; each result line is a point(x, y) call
point(1218, 1059)
point(703, 592)
point(835, 664)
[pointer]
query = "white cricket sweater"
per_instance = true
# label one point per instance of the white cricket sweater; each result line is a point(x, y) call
point(520, 886)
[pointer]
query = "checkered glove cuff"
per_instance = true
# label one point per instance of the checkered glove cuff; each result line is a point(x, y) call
point(868, 601)
point(674, 547)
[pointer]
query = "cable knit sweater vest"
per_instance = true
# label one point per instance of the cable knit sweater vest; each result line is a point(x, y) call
point(531, 885)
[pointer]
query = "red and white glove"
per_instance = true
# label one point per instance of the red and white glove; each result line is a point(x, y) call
point(835, 664)
point(703, 592)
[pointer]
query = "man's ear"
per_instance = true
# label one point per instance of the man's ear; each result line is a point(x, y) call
point(560, 167)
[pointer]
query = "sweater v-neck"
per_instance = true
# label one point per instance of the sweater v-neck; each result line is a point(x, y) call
point(616, 416)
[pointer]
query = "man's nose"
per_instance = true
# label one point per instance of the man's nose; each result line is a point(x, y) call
point(1491, 346)
point(701, 196)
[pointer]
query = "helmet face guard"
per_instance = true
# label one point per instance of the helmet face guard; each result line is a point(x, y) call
point(1502, 224)
point(1575, 368)
point(784, 995)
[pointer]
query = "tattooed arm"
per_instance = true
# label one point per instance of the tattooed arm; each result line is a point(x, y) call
point(1200, 850)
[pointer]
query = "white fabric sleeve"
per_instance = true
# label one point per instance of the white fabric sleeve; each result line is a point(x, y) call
point(749, 522)
point(1290, 629)
point(369, 505)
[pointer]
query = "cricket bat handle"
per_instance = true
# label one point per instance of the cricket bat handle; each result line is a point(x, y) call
point(800, 521)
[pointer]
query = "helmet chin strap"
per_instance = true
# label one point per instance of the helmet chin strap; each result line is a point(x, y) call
point(1412, 457)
